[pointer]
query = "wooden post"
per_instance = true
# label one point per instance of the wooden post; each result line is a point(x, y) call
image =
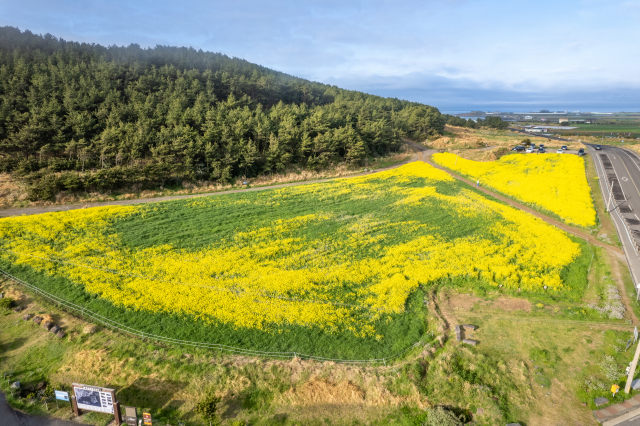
point(74, 405)
point(116, 411)
point(632, 370)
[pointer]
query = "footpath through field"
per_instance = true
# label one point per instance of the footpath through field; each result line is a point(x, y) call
point(426, 155)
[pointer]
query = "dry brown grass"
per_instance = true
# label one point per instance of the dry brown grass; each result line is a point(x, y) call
point(11, 191)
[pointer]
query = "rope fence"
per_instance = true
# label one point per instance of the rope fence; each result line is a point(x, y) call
point(107, 322)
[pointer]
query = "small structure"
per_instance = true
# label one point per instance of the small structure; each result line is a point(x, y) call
point(37, 319)
point(54, 329)
point(601, 401)
point(470, 327)
point(563, 120)
point(47, 325)
point(60, 334)
point(470, 342)
point(17, 309)
point(458, 333)
point(26, 317)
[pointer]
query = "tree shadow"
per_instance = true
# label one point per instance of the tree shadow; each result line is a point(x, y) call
point(148, 393)
point(14, 344)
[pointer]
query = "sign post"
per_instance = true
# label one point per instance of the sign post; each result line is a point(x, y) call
point(632, 370)
point(94, 398)
point(61, 396)
point(146, 417)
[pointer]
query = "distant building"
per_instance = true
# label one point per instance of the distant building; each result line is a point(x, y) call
point(535, 130)
point(563, 120)
point(543, 119)
point(528, 117)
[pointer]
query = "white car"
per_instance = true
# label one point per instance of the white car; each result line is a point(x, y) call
point(560, 151)
point(529, 150)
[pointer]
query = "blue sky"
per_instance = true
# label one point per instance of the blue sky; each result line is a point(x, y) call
point(454, 54)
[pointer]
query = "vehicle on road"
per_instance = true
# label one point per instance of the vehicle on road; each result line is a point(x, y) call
point(518, 148)
point(542, 146)
point(598, 147)
point(560, 151)
point(541, 150)
point(529, 150)
point(564, 147)
point(533, 146)
point(581, 151)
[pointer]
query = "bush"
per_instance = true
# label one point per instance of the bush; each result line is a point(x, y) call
point(6, 303)
point(440, 416)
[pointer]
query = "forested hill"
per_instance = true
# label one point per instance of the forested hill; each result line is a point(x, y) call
point(133, 115)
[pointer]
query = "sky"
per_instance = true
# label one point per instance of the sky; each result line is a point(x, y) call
point(453, 54)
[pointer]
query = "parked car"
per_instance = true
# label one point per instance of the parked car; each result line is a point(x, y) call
point(518, 148)
point(564, 147)
point(542, 145)
point(560, 151)
point(581, 151)
point(598, 147)
point(529, 150)
point(541, 150)
point(533, 146)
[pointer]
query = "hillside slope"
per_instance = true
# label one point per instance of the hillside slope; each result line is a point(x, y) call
point(167, 114)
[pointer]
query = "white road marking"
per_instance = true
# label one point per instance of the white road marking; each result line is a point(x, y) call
point(624, 179)
point(619, 218)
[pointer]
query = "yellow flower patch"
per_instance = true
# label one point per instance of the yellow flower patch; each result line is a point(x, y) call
point(555, 182)
point(325, 267)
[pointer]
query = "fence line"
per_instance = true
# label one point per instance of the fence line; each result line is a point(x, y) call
point(129, 330)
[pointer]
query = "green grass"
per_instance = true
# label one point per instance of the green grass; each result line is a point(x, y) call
point(214, 221)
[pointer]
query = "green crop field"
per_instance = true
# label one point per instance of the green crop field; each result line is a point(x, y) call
point(338, 269)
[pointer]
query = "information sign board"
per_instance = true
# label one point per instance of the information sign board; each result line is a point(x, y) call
point(93, 398)
point(62, 395)
point(146, 417)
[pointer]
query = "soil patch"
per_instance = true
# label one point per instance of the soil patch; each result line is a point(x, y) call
point(463, 301)
point(511, 304)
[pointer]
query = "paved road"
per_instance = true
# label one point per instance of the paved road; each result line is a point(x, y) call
point(620, 169)
point(634, 421)
point(10, 417)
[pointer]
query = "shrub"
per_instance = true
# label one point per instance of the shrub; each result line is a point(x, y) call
point(6, 303)
point(440, 416)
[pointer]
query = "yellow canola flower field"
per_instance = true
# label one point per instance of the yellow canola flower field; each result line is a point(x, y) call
point(554, 182)
point(290, 271)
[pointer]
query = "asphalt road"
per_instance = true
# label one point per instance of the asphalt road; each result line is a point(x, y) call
point(10, 417)
point(634, 421)
point(620, 169)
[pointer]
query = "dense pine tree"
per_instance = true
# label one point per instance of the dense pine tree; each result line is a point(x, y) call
point(149, 116)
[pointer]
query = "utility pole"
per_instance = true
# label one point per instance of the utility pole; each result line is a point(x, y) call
point(632, 370)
